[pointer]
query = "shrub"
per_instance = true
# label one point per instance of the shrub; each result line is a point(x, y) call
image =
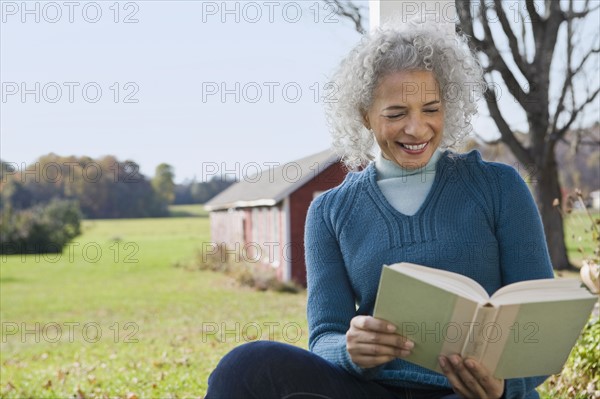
point(255, 275)
point(262, 278)
point(218, 260)
point(580, 378)
point(40, 229)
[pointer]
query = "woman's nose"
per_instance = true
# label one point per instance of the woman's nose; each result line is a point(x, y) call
point(415, 126)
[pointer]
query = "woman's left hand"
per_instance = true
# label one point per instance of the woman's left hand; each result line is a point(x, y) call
point(470, 378)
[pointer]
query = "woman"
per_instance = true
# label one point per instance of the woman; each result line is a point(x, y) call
point(411, 91)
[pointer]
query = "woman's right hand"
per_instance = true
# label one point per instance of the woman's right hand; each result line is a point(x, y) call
point(371, 342)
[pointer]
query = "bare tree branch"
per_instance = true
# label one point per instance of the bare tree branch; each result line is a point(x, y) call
point(536, 20)
point(556, 134)
point(498, 63)
point(590, 143)
point(568, 82)
point(524, 37)
point(512, 40)
point(550, 31)
point(574, 113)
point(350, 11)
point(585, 58)
point(466, 23)
point(571, 15)
point(506, 132)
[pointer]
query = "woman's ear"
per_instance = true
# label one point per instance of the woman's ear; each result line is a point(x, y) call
point(366, 122)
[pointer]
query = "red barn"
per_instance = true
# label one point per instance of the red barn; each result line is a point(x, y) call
point(261, 218)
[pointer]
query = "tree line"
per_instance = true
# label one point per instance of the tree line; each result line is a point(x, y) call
point(103, 188)
point(195, 192)
point(42, 204)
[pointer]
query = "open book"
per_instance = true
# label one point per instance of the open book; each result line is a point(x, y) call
point(525, 329)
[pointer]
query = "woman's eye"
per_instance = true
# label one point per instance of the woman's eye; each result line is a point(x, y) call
point(394, 116)
point(430, 111)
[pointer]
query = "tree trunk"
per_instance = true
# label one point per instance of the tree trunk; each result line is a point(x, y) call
point(547, 189)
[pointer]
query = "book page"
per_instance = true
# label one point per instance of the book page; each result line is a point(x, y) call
point(540, 338)
point(542, 290)
point(423, 313)
point(449, 281)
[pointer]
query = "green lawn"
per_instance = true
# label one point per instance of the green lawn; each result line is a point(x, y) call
point(188, 210)
point(578, 236)
point(163, 325)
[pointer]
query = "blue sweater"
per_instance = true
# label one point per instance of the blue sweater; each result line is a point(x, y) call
point(478, 219)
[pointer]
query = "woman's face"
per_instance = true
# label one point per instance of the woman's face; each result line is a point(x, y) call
point(407, 117)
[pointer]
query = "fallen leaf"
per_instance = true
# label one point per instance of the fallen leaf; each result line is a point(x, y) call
point(61, 375)
point(48, 384)
point(184, 361)
point(158, 363)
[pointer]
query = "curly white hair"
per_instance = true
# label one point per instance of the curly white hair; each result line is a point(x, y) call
point(396, 47)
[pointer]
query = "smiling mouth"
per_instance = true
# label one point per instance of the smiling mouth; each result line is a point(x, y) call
point(414, 147)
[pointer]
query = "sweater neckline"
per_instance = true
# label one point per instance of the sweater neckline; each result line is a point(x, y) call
point(440, 166)
point(387, 169)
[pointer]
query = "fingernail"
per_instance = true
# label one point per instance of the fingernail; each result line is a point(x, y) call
point(442, 361)
point(454, 361)
point(409, 344)
point(391, 328)
point(470, 364)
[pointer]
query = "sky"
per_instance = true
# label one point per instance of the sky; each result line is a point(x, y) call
point(205, 86)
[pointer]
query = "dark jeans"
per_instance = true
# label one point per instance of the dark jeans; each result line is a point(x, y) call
point(274, 370)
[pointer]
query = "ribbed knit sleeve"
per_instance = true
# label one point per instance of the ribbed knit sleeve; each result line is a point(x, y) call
point(331, 303)
point(523, 251)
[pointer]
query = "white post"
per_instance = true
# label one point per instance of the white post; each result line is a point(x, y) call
point(441, 11)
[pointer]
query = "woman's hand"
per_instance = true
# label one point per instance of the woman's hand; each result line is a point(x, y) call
point(371, 342)
point(470, 378)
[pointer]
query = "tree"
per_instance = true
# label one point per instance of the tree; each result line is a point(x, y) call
point(531, 51)
point(194, 192)
point(15, 195)
point(103, 188)
point(163, 184)
point(524, 69)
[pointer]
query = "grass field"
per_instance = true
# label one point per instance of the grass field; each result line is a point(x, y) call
point(578, 235)
point(119, 314)
point(163, 328)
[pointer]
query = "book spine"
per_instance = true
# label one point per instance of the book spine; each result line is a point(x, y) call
point(476, 343)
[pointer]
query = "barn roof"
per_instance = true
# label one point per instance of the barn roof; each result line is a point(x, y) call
point(270, 186)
